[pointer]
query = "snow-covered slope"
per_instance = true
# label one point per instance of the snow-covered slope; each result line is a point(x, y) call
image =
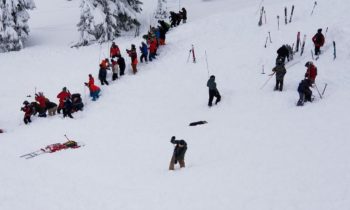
point(258, 150)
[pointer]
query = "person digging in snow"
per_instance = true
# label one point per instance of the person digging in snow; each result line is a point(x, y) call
point(213, 91)
point(178, 154)
point(280, 71)
point(305, 94)
point(311, 71)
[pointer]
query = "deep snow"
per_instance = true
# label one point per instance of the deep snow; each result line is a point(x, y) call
point(258, 150)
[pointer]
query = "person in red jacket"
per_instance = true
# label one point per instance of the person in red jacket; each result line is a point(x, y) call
point(152, 48)
point(94, 91)
point(105, 64)
point(311, 71)
point(40, 98)
point(91, 80)
point(318, 40)
point(114, 51)
point(27, 109)
point(62, 96)
point(133, 55)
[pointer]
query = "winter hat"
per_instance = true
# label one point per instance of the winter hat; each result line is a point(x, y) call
point(319, 30)
point(307, 64)
point(25, 102)
point(212, 77)
point(64, 89)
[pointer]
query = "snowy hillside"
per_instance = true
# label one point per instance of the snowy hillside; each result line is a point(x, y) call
point(258, 151)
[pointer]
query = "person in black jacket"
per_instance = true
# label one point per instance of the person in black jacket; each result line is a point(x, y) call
point(178, 154)
point(280, 71)
point(68, 107)
point(213, 91)
point(102, 75)
point(121, 64)
point(283, 53)
point(304, 92)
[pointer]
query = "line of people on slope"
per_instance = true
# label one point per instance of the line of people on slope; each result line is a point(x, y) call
point(286, 52)
point(70, 103)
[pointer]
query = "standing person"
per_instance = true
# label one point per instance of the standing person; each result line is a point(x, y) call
point(184, 15)
point(121, 64)
point(173, 19)
point(152, 48)
point(102, 75)
point(40, 98)
point(105, 63)
point(213, 91)
point(304, 92)
point(114, 69)
point(133, 55)
point(162, 35)
point(144, 52)
point(280, 71)
point(318, 40)
point(27, 109)
point(164, 25)
point(61, 96)
point(311, 71)
point(94, 91)
point(67, 109)
point(114, 51)
point(178, 154)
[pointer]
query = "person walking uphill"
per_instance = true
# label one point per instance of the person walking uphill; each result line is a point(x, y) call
point(213, 91)
point(133, 55)
point(280, 71)
point(178, 154)
point(318, 40)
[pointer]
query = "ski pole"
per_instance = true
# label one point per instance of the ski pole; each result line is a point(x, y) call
point(189, 54)
point(66, 137)
point(324, 89)
point(270, 37)
point(259, 6)
point(265, 16)
point(206, 60)
point(334, 51)
point(278, 22)
point(262, 70)
point(270, 76)
point(313, 8)
point(266, 41)
point(318, 91)
point(193, 54)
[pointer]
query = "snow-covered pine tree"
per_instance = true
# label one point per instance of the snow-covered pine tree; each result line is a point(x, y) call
point(103, 20)
point(13, 23)
point(161, 12)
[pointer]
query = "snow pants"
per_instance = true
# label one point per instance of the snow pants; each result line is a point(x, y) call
point(212, 94)
point(173, 161)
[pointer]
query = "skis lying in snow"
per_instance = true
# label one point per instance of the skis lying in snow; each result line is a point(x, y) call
point(53, 148)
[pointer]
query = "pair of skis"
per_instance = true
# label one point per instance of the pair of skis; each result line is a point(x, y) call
point(286, 16)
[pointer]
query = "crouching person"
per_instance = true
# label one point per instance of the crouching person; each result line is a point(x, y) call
point(94, 91)
point(305, 94)
point(178, 154)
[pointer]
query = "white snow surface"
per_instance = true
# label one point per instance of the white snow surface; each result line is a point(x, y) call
point(257, 152)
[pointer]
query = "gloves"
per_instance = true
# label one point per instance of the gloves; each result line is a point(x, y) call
point(172, 140)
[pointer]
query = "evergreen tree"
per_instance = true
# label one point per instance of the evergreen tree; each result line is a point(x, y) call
point(13, 23)
point(161, 12)
point(103, 20)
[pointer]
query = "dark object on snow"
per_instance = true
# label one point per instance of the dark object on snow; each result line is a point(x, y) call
point(198, 123)
point(78, 104)
point(1, 131)
point(179, 153)
point(304, 92)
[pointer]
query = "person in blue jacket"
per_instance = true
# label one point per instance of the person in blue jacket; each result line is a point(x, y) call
point(144, 52)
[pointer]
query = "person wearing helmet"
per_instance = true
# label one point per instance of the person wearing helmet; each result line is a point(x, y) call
point(178, 154)
point(318, 40)
point(213, 91)
point(27, 109)
point(311, 71)
point(280, 71)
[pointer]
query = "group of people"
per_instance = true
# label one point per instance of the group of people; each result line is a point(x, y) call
point(286, 52)
point(67, 103)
